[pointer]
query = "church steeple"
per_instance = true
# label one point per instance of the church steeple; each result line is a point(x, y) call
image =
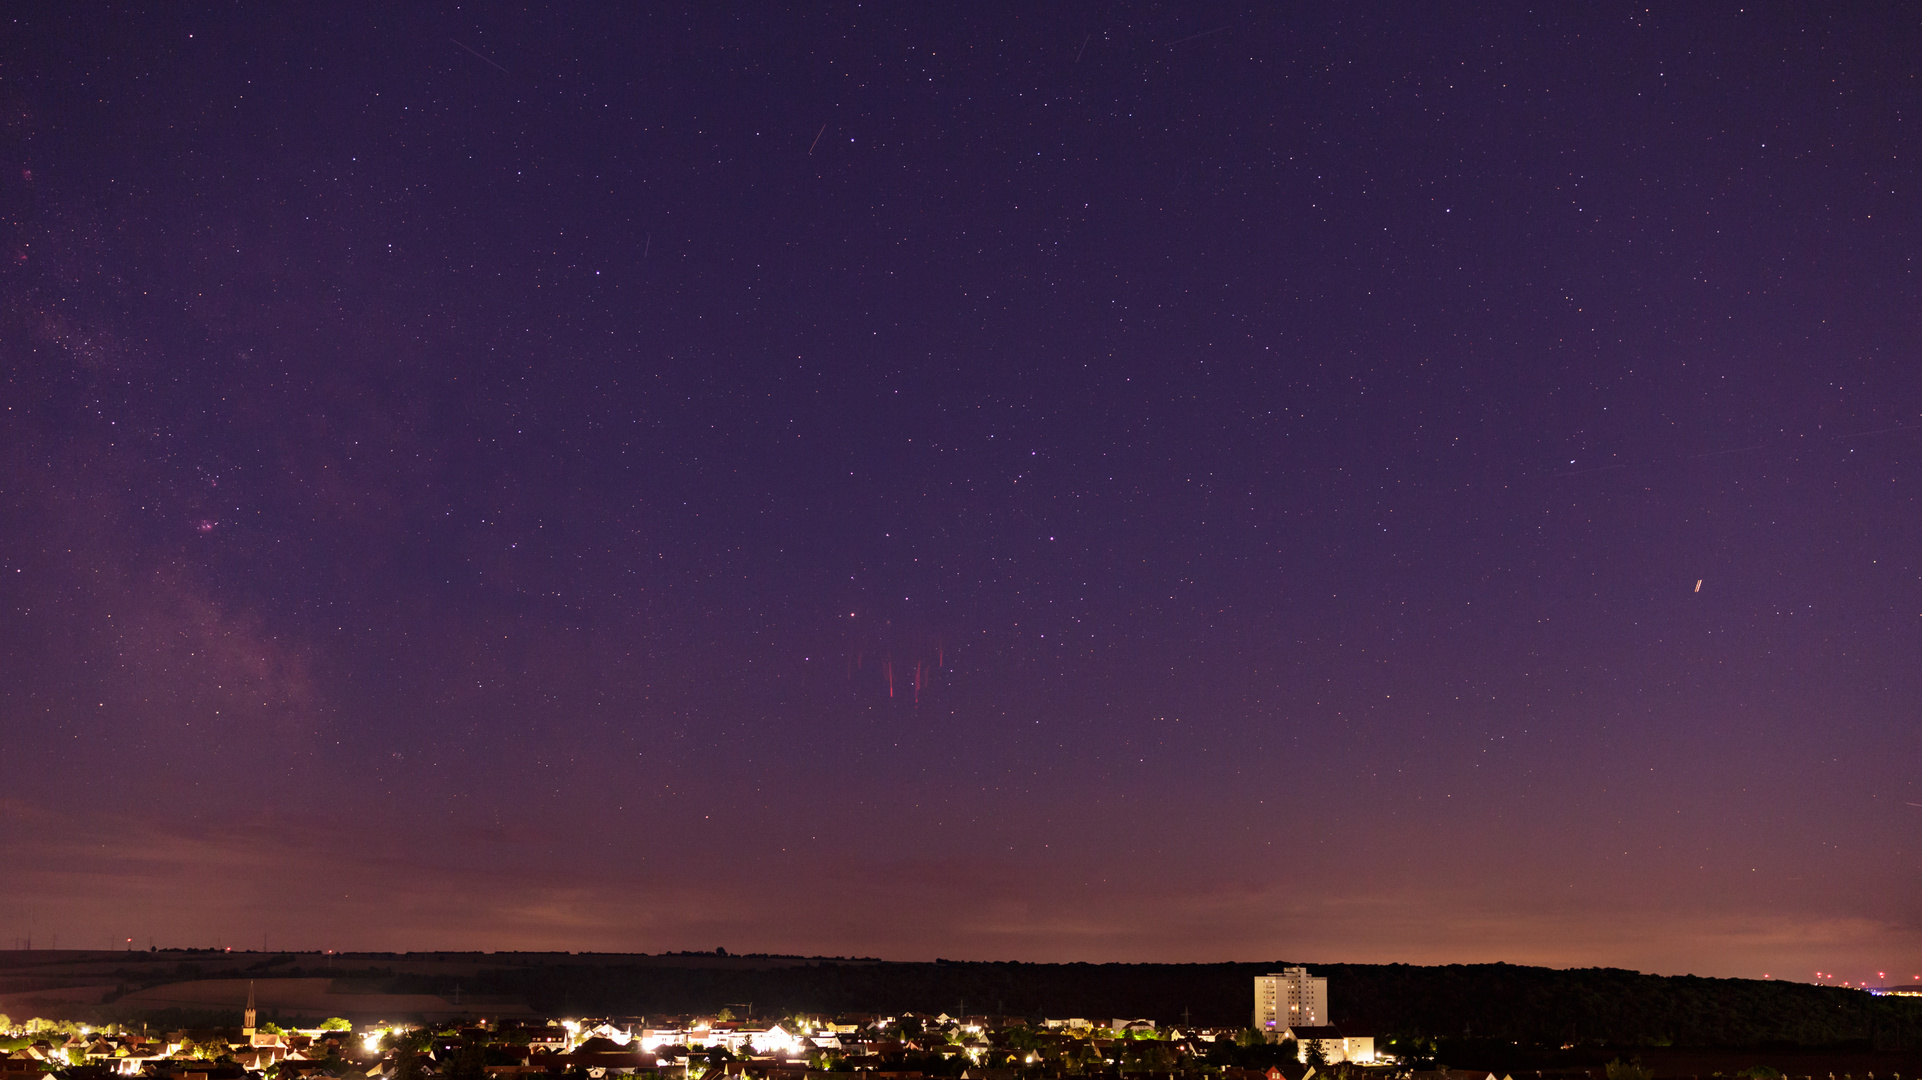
point(247, 1028)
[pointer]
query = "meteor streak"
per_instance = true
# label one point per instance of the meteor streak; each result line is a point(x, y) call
point(483, 59)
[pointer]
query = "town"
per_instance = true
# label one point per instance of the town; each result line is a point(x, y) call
point(221, 1014)
point(1289, 1038)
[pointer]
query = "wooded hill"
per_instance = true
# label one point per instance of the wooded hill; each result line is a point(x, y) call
point(1531, 1005)
point(1502, 1001)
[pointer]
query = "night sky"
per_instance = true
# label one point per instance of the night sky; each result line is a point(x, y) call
point(1114, 481)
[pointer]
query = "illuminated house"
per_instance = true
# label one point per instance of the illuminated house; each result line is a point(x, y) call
point(1335, 1047)
point(774, 1040)
point(1290, 999)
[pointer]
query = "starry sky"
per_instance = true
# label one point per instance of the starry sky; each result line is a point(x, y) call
point(1096, 481)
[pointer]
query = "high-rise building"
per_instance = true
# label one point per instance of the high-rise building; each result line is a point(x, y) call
point(1291, 999)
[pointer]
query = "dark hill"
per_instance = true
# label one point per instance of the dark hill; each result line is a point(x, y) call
point(1503, 1001)
point(1483, 1002)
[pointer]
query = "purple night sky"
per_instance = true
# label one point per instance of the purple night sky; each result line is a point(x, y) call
point(1114, 481)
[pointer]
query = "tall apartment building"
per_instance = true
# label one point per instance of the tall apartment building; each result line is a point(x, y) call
point(1289, 1000)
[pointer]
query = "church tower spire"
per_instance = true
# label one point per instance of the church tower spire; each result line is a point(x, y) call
point(247, 1027)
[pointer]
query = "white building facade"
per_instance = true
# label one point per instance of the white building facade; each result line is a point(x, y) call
point(1335, 1047)
point(1291, 999)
